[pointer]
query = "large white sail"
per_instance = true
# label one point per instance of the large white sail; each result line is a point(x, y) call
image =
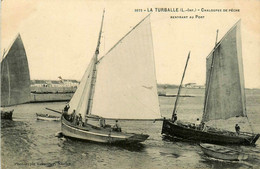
point(126, 81)
point(80, 100)
point(15, 75)
point(225, 96)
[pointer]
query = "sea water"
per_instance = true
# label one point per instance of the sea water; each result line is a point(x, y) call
point(29, 143)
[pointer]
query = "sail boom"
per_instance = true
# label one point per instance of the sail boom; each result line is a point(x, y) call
point(122, 119)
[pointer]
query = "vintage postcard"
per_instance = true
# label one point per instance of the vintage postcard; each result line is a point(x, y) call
point(130, 84)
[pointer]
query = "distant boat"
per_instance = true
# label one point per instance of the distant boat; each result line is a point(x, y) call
point(223, 152)
point(47, 117)
point(15, 78)
point(224, 96)
point(119, 85)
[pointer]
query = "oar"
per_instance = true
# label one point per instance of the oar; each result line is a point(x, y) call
point(53, 110)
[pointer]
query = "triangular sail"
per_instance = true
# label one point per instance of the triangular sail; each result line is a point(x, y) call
point(80, 100)
point(126, 81)
point(15, 75)
point(225, 96)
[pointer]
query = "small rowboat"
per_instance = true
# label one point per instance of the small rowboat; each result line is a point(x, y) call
point(47, 117)
point(223, 152)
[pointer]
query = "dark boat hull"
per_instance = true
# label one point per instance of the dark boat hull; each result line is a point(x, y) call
point(171, 129)
point(8, 115)
point(100, 135)
point(222, 152)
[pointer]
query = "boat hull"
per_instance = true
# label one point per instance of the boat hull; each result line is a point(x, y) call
point(222, 152)
point(100, 135)
point(8, 115)
point(47, 118)
point(171, 129)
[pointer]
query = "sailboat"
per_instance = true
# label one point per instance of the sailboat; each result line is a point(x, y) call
point(15, 78)
point(224, 96)
point(121, 85)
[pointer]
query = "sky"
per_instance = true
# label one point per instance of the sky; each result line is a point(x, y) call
point(60, 36)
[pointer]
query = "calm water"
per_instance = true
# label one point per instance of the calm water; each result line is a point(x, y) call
point(28, 143)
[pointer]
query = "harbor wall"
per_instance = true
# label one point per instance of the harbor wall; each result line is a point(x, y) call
point(50, 97)
point(51, 94)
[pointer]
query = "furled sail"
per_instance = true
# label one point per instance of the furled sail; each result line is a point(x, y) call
point(126, 81)
point(225, 96)
point(15, 76)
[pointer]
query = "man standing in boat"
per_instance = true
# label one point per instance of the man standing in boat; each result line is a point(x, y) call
point(65, 112)
point(66, 108)
point(174, 117)
point(80, 120)
point(102, 122)
point(116, 127)
point(237, 129)
point(197, 124)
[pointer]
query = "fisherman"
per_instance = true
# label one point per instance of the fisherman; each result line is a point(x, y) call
point(102, 122)
point(174, 117)
point(116, 127)
point(66, 108)
point(237, 129)
point(65, 112)
point(73, 116)
point(197, 124)
point(77, 120)
point(80, 120)
point(203, 127)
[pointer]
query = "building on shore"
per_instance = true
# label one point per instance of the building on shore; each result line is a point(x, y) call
point(52, 90)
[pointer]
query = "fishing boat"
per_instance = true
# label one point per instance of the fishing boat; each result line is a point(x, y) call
point(223, 152)
point(121, 85)
point(47, 117)
point(224, 96)
point(15, 78)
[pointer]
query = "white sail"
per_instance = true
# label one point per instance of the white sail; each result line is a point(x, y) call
point(15, 75)
point(126, 81)
point(80, 100)
point(225, 96)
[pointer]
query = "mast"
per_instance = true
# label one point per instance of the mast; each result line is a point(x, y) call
point(209, 78)
point(179, 90)
point(94, 73)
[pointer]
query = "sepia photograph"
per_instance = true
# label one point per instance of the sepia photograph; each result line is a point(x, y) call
point(130, 84)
